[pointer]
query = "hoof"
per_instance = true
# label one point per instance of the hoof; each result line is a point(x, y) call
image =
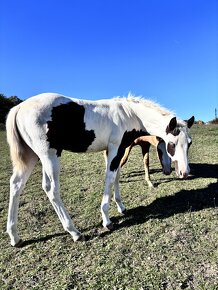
point(124, 212)
point(80, 238)
point(19, 244)
point(110, 227)
point(150, 184)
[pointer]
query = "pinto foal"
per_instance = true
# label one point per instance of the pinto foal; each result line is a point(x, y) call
point(41, 127)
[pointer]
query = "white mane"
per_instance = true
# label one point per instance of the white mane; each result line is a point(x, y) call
point(146, 102)
point(150, 104)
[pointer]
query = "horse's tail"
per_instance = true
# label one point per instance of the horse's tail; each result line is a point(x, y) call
point(18, 148)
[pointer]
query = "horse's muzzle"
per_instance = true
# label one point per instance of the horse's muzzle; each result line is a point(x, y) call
point(180, 173)
point(183, 175)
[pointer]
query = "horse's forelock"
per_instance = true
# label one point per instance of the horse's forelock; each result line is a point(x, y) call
point(182, 126)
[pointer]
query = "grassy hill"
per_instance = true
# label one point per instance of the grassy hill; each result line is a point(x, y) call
point(167, 240)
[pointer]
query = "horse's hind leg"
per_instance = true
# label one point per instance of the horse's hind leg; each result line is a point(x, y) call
point(17, 183)
point(50, 184)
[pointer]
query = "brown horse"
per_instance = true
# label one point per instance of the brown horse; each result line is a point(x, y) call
point(145, 142)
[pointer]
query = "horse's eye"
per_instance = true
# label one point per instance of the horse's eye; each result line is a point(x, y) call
point(171, 148)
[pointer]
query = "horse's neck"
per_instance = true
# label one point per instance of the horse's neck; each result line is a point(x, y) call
point(156, 126)
point(153, 121)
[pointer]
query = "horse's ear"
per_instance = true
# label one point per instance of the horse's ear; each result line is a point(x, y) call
point(172, 125)
point(190, 121)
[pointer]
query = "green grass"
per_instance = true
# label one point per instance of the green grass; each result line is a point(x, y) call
point(167, 240)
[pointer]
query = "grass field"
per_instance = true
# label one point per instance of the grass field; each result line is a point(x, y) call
point(167, 240)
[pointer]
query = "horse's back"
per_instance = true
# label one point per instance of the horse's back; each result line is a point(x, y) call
point(54, 121)
point(62, 123)
point(44, 101)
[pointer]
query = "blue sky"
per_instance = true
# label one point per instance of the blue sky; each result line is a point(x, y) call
point(165, 50)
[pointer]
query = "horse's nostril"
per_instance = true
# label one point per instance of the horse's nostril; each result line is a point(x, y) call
point(183, 175)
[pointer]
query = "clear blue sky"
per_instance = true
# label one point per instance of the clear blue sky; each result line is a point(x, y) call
point(165, 50)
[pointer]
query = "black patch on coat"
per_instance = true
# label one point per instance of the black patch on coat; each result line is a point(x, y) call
point(174, 132)
point(171, 147)
point(128, 138)
point(66, 130)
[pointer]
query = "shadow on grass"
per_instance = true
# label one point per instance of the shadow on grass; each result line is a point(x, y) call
point(41, 239)
point(141, 172)
point(132, 177)
point(164, 207)
point(198, 170)
point(204, 170)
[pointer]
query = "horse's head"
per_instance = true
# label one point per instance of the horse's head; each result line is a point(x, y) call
point(178, 142)
point(165, 160)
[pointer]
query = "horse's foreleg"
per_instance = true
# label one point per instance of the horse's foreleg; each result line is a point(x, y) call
point(145, 152)
point(109, 181)
point(117, 197)
point(51, 187)
point(146, 168)
point(112, 177)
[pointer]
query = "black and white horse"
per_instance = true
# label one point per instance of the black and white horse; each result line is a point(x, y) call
point(43, 126)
